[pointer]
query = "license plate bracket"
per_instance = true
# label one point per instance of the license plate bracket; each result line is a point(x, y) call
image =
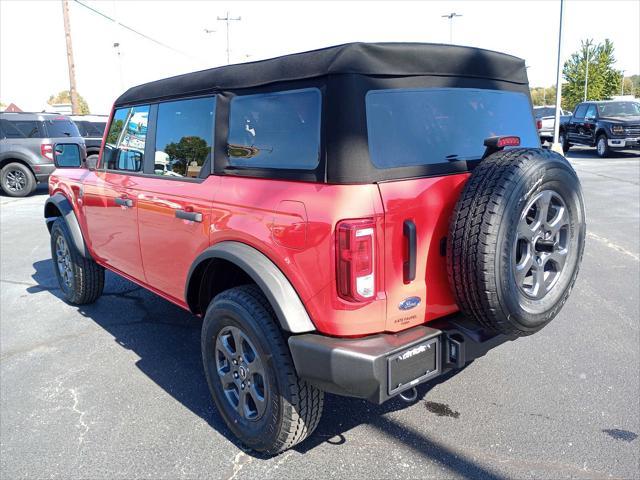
point(413, 365)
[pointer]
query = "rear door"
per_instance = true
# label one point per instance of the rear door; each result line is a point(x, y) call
point(175, 196)
point(444, 129)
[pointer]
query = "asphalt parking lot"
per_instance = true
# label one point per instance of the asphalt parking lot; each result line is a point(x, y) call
point(116, 389)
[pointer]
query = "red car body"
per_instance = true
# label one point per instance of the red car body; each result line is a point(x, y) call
point(277, 218)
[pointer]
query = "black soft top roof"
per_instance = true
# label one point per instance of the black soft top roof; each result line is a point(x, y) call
point(374, 59)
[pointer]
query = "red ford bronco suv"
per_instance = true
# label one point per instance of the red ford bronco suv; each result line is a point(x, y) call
point(356, 220)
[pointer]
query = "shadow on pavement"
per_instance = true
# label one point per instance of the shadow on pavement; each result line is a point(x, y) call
point(167, 340)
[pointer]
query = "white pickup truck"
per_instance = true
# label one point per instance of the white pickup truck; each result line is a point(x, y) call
point(545, 118)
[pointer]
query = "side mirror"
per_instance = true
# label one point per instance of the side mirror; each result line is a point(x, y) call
point(67, 155)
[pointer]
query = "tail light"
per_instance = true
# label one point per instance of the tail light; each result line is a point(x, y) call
point(356, 259)
point(46, 150)
point(539, 124)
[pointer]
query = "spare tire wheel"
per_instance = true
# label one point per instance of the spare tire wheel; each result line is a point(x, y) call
point(516, 239)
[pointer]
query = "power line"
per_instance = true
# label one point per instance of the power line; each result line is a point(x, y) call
point(147, 37)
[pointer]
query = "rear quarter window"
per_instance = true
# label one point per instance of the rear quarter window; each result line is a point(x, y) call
point(275, 130)
point(60, 128)
point(410, 127)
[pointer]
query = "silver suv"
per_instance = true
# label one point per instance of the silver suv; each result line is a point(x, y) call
point(26, 148)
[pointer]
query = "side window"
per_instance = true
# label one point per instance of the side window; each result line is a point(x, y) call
point(591, 112)
point(580, 111)
point(184, 135)
point(124, 148)
point(275, 130)
point(22, 129)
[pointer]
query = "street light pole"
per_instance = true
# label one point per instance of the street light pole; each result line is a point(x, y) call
point(622, 92)
point(228, 19)
point(451, 16)
point(586, 76)
point(556, 124)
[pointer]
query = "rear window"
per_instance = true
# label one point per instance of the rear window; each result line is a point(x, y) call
point(90, 129)
point(544, 112)
point(21, 128)
point(275, 130)
point(57, 128)
point(410, 127)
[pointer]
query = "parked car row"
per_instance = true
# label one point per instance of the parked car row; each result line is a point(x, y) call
point(27, 140)
point(607, 125)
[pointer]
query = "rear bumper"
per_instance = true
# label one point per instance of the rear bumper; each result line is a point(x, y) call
point(379, 367)
point(42, 171)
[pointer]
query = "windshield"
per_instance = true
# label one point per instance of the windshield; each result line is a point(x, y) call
point(408, 127)
point(619, 109)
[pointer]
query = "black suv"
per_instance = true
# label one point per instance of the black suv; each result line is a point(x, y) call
point(26, 148)
point(91, 128)
point(606, 125)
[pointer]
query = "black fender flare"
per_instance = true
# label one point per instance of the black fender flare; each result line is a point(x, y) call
point(289, 309)
point(63, 205)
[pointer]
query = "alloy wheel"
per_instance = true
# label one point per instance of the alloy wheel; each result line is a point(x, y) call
point(601, 146)
point(241, 372)
point(16, 180)
point(63, 260)
point(541, 245)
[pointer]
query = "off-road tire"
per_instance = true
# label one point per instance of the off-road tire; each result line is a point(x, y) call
point(85, 280)
point(293, 407)
point(17, 180)
point(484, 239)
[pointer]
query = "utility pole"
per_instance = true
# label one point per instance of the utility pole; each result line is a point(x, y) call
point(622, 92)
point(586, 76)
point(228, 19)
point(557, 147)
point(451, 16)
point(72, 68)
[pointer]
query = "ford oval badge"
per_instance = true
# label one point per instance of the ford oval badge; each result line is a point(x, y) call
point(409, 303)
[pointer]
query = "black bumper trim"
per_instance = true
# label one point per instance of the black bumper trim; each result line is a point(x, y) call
point(358, 367)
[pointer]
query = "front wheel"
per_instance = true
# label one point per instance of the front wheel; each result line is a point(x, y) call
point(81, 279)
point(602, 146)
point(251, 375)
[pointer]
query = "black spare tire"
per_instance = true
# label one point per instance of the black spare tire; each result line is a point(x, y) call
point(516, 239)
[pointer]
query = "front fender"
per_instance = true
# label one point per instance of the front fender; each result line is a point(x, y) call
point(59, 203)
point(286, 303)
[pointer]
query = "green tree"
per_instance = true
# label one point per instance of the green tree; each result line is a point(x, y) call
point(65, 97)
point(603, 81)
point(115, 131)
point(187, 150)
point(543, 96)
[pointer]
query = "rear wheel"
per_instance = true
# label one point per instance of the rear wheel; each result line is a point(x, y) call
point(17, 180)
point(251, 375)
point(602, 146)
point(516, 240)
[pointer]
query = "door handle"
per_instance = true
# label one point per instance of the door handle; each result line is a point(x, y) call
point(124, 202)
point(409, 265)
point(193, 216)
